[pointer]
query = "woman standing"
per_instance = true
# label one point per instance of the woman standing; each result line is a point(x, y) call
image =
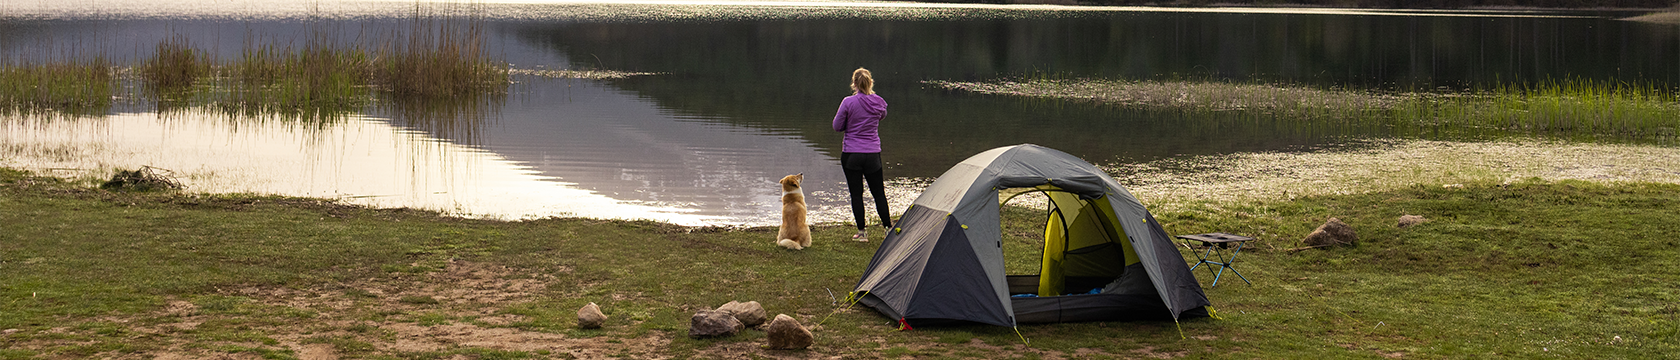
point(859, 118)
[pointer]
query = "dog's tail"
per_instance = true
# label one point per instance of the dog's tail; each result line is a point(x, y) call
point(789, 243)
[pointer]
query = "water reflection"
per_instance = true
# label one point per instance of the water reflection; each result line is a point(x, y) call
point(622, 145)
point(360, 160)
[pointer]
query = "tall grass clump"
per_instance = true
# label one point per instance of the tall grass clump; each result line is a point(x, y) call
point(318, 80)
point(437, 76)
point(438, 59)
point(175, 67)
point(76, 87)
point(1559, 107)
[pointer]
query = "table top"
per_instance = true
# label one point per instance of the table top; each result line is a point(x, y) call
point(1214, 238)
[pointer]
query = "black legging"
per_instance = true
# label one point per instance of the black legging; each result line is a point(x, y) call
point(859, 166)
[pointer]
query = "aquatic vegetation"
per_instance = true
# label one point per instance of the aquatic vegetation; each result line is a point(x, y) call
point(587, 74)
point(1288, 100)
point(175, 66)
point(1560, 107)
point(82, 86)
point(418, 72)
point(317, 80)
point(426, 71)
point(1568, 108)
point(437, 59)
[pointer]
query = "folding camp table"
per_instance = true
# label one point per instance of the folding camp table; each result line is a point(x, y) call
point(1215, 244)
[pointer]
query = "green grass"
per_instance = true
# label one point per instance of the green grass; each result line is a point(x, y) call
point(1526, 270)
point(1570, 108)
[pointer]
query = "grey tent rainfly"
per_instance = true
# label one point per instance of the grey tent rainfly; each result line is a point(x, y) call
point(1105, 257)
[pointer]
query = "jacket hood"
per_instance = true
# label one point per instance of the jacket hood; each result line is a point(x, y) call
point(873, 104)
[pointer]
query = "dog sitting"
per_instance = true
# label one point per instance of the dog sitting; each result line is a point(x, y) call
point(795, 233)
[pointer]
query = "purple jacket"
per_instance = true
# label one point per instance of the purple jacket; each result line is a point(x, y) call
point(860, 116)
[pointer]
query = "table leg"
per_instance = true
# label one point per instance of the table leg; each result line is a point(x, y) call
point(1227, 264)
point(1201, 258)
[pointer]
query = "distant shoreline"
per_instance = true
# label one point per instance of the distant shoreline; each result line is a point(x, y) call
point(1514, 5)
point(1668, 17)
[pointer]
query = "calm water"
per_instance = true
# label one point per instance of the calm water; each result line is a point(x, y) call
point(746, 91)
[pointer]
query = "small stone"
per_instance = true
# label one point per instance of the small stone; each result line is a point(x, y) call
point(1333, 232)
point(749, 313)
point(713, 323)
point(1407, 221)
point(9, 331)
point(590, 317)
point(785, 333)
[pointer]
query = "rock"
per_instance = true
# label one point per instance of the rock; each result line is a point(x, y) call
point(749, 313)
point(9, 331)
point(1333, 232)
point(1407, 221)
point(590, 317)
point(785, 333)
point(713, 323)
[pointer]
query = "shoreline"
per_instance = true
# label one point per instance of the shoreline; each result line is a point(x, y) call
point(1293, 5)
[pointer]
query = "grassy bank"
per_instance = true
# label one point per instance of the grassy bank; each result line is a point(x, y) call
point(1529, 269)
point(1570, 108)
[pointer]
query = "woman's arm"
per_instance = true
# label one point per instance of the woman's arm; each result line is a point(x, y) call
point(841, 118)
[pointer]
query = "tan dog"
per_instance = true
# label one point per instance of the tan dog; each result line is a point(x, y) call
point(795, 233)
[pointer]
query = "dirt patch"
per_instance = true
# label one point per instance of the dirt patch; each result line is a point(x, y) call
point(982, 345)
point(449, 313)
point(1085, 353)
point(1149, 351)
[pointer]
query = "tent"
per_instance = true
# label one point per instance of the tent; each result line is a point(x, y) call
point(1105, 257)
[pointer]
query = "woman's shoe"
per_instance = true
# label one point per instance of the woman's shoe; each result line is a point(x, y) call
point(862, 236)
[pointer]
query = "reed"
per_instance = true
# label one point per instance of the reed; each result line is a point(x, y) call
point(1568, 107)
point(438, 77)
point(437, 59)
point(174, 67)
point(318, 80)
point(82, 86)
point(437, 70)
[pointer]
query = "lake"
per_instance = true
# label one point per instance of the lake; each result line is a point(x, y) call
point(741, 94)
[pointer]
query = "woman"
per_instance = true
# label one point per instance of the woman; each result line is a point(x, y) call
point(860, 149)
